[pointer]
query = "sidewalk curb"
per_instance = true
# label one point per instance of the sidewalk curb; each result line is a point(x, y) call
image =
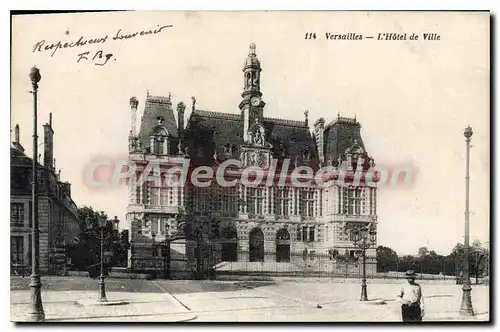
point(122, 319)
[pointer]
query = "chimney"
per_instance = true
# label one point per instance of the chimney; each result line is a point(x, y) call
point(319, 129)
point(181, 107)
point(17, 143)
point(306, 112)
point(48, 152)
point(194, 103)
point(133, 108)
point(16, 134)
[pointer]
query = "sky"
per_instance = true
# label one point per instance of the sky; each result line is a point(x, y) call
point(413, 98)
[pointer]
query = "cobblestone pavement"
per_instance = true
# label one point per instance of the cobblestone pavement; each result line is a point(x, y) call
point(298, 300)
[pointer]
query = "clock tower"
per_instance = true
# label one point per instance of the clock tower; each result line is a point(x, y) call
point(251, 105)
point(256, 149)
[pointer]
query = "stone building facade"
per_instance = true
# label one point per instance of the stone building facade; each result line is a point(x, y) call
point(274, 221)
point(57, 212)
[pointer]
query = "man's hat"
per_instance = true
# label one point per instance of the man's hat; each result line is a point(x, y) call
point(410, 274)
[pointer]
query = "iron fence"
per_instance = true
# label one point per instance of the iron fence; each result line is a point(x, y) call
point(212, 260)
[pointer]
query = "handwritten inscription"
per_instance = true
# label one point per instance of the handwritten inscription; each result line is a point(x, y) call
point(52, 48)
point(40, 46)
point(99, 58)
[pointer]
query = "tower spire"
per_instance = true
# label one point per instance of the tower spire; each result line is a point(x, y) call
point(251, 50)
point(251, 71)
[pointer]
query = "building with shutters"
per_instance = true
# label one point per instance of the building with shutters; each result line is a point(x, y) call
point(271, 222)
point(57, 212)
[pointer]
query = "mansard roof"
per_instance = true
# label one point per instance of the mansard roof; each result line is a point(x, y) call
point(341, 135)
point(210, 132)
point(48, 182)
point(157, 106)
point(21, 173)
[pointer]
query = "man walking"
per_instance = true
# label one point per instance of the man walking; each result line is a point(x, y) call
point(412, 300)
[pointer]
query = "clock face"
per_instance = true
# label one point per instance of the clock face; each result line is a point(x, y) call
point(255, 101)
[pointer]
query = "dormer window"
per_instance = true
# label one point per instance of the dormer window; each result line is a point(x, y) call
point(307, 154)
point(234, 150)
point(159, 139)
point(227, 150)
point(159, 145)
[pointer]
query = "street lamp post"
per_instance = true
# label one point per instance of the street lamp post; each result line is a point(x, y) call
point(153, 236)
point(102, 285)
point(364, 238)
point(35, 312)
point(466, 306)
point(166, 253)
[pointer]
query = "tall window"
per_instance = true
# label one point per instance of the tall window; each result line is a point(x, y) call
point(155, 196)
point(17, 214)
point(255, 198)
point(145, 193)
point(295, 200)
point(352, 201)
point(304, 233)
point(199, 199)
point(145, 226)
point(320, 202)
point(160, 145)
point(373, 201)
point(307, 202)
point(163, 225)
point(164, 196)
point(311, 234)
point(137, 190)
point(228, 199)
point(16, 249)
point(282, 201)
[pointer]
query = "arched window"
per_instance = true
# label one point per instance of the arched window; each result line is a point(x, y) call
point(159, 139)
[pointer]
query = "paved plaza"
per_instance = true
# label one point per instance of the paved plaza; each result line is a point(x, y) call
point(72, 299)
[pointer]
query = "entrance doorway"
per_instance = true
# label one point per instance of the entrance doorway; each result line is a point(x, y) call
point(229, 244)
point(282, 246)
point(256, 245)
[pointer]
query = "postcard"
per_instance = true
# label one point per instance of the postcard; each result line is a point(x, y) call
point(250, 166)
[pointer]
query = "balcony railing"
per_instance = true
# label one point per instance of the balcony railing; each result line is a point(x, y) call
point(354, 218)
point(154, 208)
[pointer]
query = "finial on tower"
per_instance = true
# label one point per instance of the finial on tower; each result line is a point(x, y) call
point(251, 51)
point(16, 134)
point(194, 102)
